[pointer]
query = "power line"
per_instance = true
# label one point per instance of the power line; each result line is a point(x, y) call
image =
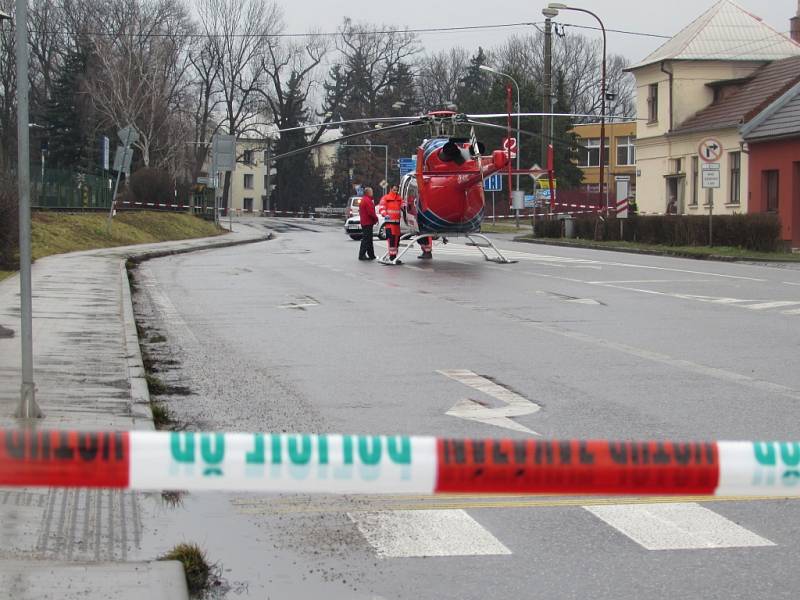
point(622, 31)
point(422, 30)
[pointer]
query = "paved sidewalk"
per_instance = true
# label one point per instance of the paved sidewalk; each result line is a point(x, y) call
point(89, 375)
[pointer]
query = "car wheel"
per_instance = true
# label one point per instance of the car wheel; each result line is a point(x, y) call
point(382, 232)
point(355, 237)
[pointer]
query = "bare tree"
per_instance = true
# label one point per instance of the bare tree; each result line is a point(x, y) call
point(579, 60)
point(204, 98)
point(237, 32)
point(439, 76)
point(140, 61)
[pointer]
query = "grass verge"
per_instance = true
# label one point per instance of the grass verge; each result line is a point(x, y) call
point(58, 232)
point(688, 251)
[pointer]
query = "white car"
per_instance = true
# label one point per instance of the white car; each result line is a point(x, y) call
point(352, 224)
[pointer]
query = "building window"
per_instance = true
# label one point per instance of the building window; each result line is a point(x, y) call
point(771, 189)
point(248, 181)
point(695, 180)
point(248, 205)
point(626, 150)
point(735, 162)
point(247, 157)
point(652, 103)
point(590, 154)
point(676, 166)
point(594, 188)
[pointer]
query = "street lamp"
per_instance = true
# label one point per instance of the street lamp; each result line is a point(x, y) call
point(519, 148)
point(556, 6)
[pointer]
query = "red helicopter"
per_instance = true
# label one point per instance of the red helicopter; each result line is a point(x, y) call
point(445, 195)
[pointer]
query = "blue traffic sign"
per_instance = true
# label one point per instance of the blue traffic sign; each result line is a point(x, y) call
point(493, 183)
point(407, 165)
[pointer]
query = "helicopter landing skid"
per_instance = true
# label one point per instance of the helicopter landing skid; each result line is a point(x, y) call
point(412, 238)
point(500, 258)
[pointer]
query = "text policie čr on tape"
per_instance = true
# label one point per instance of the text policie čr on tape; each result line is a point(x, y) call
point(335, 463)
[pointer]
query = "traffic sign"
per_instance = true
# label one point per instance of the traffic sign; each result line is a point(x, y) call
point(493, 183)
point(122, 159)
point(128, 135)
point(710, 150)
point(223, 152)
point(510, 144)
point(407, 165)
point(536, 171)
point(711, 175)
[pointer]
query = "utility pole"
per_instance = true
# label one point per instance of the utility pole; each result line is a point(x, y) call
point(547, 104)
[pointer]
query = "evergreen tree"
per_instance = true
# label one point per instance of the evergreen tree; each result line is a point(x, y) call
point(69, 142)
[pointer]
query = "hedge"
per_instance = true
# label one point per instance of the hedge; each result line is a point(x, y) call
point(758, 232)
point(9, 226)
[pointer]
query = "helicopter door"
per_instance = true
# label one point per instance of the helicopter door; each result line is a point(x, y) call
point(408, 190)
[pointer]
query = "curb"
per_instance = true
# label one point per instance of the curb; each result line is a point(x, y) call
point(140, 406)
point(675, 254)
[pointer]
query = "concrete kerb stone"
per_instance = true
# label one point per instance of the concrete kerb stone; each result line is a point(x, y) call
point(140, 407)
point(676, 254)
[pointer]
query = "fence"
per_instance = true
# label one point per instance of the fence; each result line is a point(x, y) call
point(60, 188)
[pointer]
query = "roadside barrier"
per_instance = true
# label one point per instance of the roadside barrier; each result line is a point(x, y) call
point(361, 464)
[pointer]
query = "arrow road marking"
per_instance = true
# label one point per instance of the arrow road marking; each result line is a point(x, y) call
point(515, 405)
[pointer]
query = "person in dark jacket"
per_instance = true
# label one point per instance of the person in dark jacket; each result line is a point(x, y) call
point(366, 213)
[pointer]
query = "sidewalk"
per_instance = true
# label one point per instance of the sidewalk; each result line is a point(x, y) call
point(89, 375)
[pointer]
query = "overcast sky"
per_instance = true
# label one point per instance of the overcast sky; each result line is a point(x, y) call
point(664, 17)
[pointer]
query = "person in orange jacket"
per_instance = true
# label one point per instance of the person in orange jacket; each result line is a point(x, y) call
point(391, 206)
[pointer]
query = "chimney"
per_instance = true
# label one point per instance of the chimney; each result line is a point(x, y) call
point(795, 24)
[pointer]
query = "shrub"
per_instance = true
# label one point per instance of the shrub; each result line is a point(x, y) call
point(759, 231)
point(151, 186)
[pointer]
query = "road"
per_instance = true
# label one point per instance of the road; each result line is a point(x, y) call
point(295, 334)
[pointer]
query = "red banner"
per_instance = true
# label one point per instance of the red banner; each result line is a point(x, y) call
point(576, 467)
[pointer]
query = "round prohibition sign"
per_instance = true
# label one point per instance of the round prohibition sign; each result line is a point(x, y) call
point(510, 144)
point(710, 150)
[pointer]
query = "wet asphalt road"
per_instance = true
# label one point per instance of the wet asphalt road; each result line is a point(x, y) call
point(295, 334)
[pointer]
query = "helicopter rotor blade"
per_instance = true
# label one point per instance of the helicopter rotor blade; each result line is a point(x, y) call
point(522, 132)
point(553, 114)
point(345, 137)
point(334, 124)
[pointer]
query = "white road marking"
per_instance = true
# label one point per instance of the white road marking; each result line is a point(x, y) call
point(791, 312)
point(418, 533)
point(787, 282)
point(679, 526)
point(516, 405)
point(768, 305)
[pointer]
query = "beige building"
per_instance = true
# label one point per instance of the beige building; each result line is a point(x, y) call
point(248, 192)
point(699, 85)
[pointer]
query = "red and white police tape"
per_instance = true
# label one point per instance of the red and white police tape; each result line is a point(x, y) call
point(353, 464)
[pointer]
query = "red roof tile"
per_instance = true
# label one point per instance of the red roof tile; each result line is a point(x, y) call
point(769, 83)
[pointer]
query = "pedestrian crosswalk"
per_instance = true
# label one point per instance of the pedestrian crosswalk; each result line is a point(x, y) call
point(450, 525)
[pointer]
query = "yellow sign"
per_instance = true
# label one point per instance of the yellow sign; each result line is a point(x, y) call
point(543, 183)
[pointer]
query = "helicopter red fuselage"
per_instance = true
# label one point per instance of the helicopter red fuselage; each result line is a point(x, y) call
point(445, 195)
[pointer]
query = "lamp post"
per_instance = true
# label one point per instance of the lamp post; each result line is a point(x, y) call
point(28, 409)
point(556, 6)
point(519, 146)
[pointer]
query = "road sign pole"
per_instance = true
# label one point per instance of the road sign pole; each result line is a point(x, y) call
point(494, 213)
point(710, 218)
point(121, 167)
